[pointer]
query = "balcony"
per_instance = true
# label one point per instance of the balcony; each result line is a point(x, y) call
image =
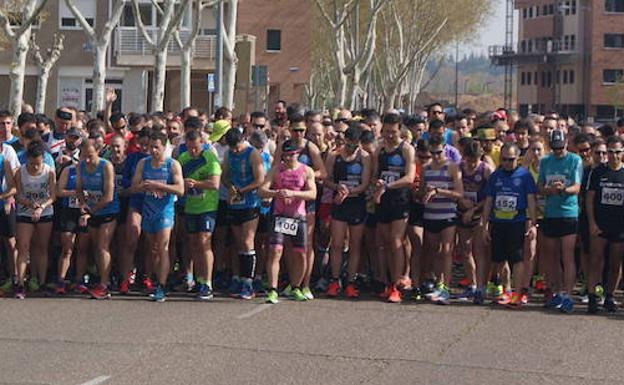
point(548, 54)
point(131, 48)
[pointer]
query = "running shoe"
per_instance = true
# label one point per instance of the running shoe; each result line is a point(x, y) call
point(567, 304)
point(246, 291)
point(321, 284)
point(271, 297)
point(478, 298)
point(33, 284)
point(235, 286)
point(516, 301)
point(524, 297)
point(258, 286)
point(307, 293)
point(20, 292)
point(416, 294)
point(494, 290)
point(204, 292)
point(287, 292)
point(592, 303)
point(159, 294)
point(333, 289)
point(555, 302)
point(404, 283)
point(444, 298)
point(386, 293)
point(60, 288)
point(428, 286)
point(609, 304)
point(81, 288)
point(434, 294)
point(599, 290)
point(148, 285)
point(539, 283)
point(124, 286)
point(100, 292)
point(351, 291)
point(504, 299)
point(468, 294)
point(297, 295)
point(395, 295)
point(464, 282)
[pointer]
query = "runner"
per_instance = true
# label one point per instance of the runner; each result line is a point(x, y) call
point(510, 192)
point(605, 212)
point(36, 187)
point(289, 183)
point(349, 173)
point(243, 173)
point(160, 179)
point(440, 188)
point(394, 172)
point(95, 189)
point(201, 171)
point(559, 180)
point(7, 214)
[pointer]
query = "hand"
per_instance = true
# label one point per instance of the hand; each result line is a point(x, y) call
point(594, 230)
point(343, 190)
point(83, 220)
point(380, 189)
point(530, 231)
point(190, 183)
point(111, 96)
point(7, 207)
point(37, 213)
point(285, 194)
point(466, 204)
point(340, 196)
point(431, 192)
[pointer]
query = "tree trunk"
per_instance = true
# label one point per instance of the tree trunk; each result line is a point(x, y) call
point(99, 77)
point(16, 73)
point(160, 72)
point(185, 77)
point(229, 81)
point(42, 88)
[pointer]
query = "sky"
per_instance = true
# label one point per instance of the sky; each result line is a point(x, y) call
point(493, 31)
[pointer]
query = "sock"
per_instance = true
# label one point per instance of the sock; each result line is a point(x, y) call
point(247, 263)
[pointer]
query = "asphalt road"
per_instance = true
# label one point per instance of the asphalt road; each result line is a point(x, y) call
point(133, 341)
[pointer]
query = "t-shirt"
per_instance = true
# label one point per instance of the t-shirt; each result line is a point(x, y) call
point(131, 147)
point(47, 159)
point(199, 201)
point(509, 192)
point(608, 185)
point(448, 136)
point(569, 170)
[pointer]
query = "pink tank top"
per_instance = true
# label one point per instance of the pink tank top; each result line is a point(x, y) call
point(289, 179)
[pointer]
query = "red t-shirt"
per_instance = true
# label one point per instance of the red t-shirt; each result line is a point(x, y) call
point(129, 138)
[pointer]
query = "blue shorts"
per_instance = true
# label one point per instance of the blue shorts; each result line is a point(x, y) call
point(201, 223)
point(153, 225)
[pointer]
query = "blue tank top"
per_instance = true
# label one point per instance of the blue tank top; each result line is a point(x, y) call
point(241, 175)
point(265, 206)
point(153, 206)
point(70, 202)
point(304, 155)
point(93, 185)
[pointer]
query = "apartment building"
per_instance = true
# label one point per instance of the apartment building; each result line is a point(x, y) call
point(570, 57)
point(272, 34)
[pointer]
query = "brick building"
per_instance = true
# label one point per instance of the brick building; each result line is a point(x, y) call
point(570, 57)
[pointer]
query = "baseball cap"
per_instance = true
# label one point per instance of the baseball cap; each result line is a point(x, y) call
point(486, 134)
point(557, 139)
point(219, 128)
point(74, 132)
point(289, 146)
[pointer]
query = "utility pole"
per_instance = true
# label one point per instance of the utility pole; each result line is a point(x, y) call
point(456, 75)
point(218, 95)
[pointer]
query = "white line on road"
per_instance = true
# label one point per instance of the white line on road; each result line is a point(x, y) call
point(96, 380)
point(255, 311)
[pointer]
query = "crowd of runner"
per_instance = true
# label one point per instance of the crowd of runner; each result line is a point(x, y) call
point(307, 203)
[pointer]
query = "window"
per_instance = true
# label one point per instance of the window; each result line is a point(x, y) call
point(565, 76)
point(530, 46)
point(614, 6)
point(528, 78)
point(523, 78)
point(535, 78)
point(88, 8)
point(572, 42)
point(571, 77)
point(523, 46)
point(551, 9)
point(524, 13)
point(145, 9)
point(558, 77)
point(610, 76)
point(537, 9)
point(543, 79)
point(614, 40)
point(566, 43)
point(566, 8)
point(545, 10)
point(573, 7)
point(274, 40)
point(549, 79)
point(530, 12)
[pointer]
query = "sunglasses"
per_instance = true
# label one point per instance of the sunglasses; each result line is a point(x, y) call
point(537, 149)
point(616, 151)
point(424, 157)
point(437, 112)
point(328, 124)
point(584, 150)
point(340, 133)
point(600, 152)
point(298, 129)
point(341, 120)
point(290, 153)
point(436, 152)
point(508, 159)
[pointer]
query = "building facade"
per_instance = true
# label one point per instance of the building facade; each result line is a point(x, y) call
point(570, 57)
point(269, 35)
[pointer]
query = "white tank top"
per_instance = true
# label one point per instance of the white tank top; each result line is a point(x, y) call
point(35, 188)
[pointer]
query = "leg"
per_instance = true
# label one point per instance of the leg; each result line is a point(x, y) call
point(102, 237)
point(309, 260)
point(552, 262)
point(338, 234)
point(568, 244)
point(160, 248)
point(415, 235)
point(131, 235)
point(355, 241)
point(447, 240)
point(40, 249)
point(24, 232)
point(596, 263)
point(67, 248)
point(615, 264)
point(466, 244)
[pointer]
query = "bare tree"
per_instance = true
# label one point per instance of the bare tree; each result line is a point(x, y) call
point(230, 61)
point(349, 61)
point(100, 42)
point(186, 49)
point(45, 60)
point(169, 22)
point(25, 13)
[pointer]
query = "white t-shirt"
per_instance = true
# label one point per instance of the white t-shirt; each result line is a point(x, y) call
point(10, 155)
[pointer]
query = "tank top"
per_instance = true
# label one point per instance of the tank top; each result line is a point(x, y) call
point(241, 175)
point(154, 206)
point(474, 184)
point(54, 144)
point(35, 188)
point(349, 173)
point(439, 207)
point(93, 186)
point(289, 179)
point(304, 155)
point(392, 168)
point(265, 204)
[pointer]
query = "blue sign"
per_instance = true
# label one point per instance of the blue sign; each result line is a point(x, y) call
point(211, 82)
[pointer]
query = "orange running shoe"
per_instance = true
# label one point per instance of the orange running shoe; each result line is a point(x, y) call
point(394, 295)
point(404, 283)
point(351, 291)
point(516, 301)
point(124, 287)
point(540, 285)
point(504, 299)
point(333, 289)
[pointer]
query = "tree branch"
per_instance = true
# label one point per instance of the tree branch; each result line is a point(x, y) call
point(28, 23)
point(139, 21)
point(118, 9)
point(81, 20)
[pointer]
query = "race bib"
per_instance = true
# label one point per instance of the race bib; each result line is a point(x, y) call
point(612, 196)
point(471, 196)
point(73, 203)
point(288, 226)
point(390, 176)
point(505, 206)
point(238, 200)
point(92, 198)
point(195, 192)
point(118, 179)
point(550, 179)
point(351, 184)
